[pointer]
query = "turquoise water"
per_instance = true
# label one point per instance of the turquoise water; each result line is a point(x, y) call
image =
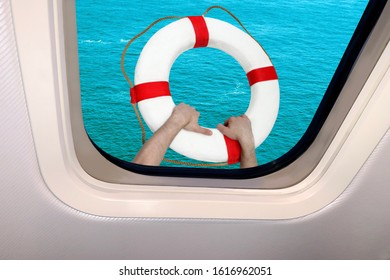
point(305, 40)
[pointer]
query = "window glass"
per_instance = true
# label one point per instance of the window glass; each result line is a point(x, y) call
point(305, 41)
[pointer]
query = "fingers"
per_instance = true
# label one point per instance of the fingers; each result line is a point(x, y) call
point(203, 130)
point(228, 121)
point(222, 128)
point(198, 129)
point(236, 128)
point(191, 117)
point(234, 119)
point(225, 130)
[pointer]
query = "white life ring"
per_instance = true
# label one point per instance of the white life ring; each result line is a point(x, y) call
point(151, 90)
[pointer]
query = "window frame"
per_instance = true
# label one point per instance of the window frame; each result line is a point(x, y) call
point(79, 176)
point(309, 140)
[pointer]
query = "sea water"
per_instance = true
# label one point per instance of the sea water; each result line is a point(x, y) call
point(304, 39)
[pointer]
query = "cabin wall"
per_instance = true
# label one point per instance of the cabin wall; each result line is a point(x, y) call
point(34, 224)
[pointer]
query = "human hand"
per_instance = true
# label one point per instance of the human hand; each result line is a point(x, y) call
point(187, 117)
point(240, 129)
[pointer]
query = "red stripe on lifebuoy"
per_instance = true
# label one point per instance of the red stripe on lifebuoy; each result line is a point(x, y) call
point(201, 31)
point(149, 90)
point(233, 149)
point(262, 75)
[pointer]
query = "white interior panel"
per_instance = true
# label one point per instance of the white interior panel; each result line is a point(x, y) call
point(352, 223)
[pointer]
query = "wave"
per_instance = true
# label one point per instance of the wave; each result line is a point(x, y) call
point(89, 41)
point(94, 42)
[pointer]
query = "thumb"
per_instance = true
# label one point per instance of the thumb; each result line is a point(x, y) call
point(224, 130)
point(203, 130)
point(227, 131)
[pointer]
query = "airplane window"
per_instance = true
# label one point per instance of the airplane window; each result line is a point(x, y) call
point(305, 42)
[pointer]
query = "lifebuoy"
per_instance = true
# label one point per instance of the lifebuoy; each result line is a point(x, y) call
point(151, 90)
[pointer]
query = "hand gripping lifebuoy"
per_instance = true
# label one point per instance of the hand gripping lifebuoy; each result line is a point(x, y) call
point(151, 90)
